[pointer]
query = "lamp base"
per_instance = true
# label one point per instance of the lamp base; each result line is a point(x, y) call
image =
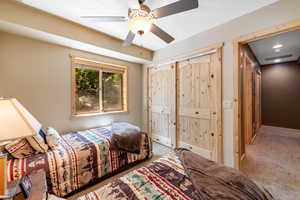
point(3, 182)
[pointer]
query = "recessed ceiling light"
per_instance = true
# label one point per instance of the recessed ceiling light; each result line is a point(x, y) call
point(277, 46)
point(277, 50)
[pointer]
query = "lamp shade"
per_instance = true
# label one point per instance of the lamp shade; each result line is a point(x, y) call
point(15, 121)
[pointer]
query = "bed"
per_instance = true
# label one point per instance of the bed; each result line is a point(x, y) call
point(82, 158)
point(181, 175)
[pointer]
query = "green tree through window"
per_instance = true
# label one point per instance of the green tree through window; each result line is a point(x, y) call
point(87, 90)
point(112, 91)
point(97, 90)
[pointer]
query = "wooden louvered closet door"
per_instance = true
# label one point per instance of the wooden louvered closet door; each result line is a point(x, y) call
point(162, 108)
point(199, 105)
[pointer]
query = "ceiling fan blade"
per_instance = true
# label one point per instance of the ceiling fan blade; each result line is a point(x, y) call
point(129, 39)
point(174, 8)
point(103, 19)
point(161, 34)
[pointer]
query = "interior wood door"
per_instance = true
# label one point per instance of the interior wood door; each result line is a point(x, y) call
point(162, 105)
point(200, 105)
point(257, 100)
point(248, 101)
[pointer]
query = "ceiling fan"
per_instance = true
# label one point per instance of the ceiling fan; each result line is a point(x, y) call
point(141, 18)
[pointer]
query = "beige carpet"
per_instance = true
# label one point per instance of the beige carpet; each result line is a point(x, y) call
point(273, 161)
point(158, 151)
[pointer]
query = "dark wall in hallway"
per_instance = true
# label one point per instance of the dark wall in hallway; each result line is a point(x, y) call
point(281, 95)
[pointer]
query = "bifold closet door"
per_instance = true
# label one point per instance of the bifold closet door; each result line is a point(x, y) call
point(199, 105)
point(162, 104)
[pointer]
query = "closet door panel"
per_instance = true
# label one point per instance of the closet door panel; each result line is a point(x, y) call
point(215, 97)
point(194, 110)
point(162, 104)
point(199, 105)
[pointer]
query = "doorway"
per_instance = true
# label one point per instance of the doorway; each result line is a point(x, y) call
point(267, 132)
point(237, 43)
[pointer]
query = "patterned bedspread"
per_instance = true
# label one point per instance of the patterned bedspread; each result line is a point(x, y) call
point(81, 158)
point(162, 179)
point(181, 175)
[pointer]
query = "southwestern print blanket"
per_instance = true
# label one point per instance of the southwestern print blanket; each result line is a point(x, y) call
point(80, 158)
point(166, 178)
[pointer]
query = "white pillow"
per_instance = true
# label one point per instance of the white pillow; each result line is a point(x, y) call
point(53, 138)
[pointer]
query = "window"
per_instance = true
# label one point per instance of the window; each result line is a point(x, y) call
point(112, 91)
point(97, 88)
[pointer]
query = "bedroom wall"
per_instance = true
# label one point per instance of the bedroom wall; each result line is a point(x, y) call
point(281, 12)
point(280, 95)
point(38, 74)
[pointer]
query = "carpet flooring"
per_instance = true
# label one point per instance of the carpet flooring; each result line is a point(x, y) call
point(273, 161)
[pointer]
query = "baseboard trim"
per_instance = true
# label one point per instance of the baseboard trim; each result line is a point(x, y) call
point(253, 138)
point(289, 130)
point(243, 156)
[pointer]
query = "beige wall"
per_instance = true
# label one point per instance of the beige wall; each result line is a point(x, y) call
point(278, 13)
point(38, 74)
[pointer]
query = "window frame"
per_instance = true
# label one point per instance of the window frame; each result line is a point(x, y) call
point(102, 67)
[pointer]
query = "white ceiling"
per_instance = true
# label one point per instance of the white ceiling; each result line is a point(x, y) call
point(290, 46)
point(181, 26)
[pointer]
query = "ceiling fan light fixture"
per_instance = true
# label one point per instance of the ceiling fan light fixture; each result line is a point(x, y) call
point(141, 17)
point(140, 21)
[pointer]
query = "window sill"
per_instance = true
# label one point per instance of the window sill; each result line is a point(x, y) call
point(79, 116)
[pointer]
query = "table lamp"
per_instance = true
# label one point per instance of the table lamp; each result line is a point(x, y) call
point(15, 123)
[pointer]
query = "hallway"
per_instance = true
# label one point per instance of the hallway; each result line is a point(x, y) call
point(273, 161)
